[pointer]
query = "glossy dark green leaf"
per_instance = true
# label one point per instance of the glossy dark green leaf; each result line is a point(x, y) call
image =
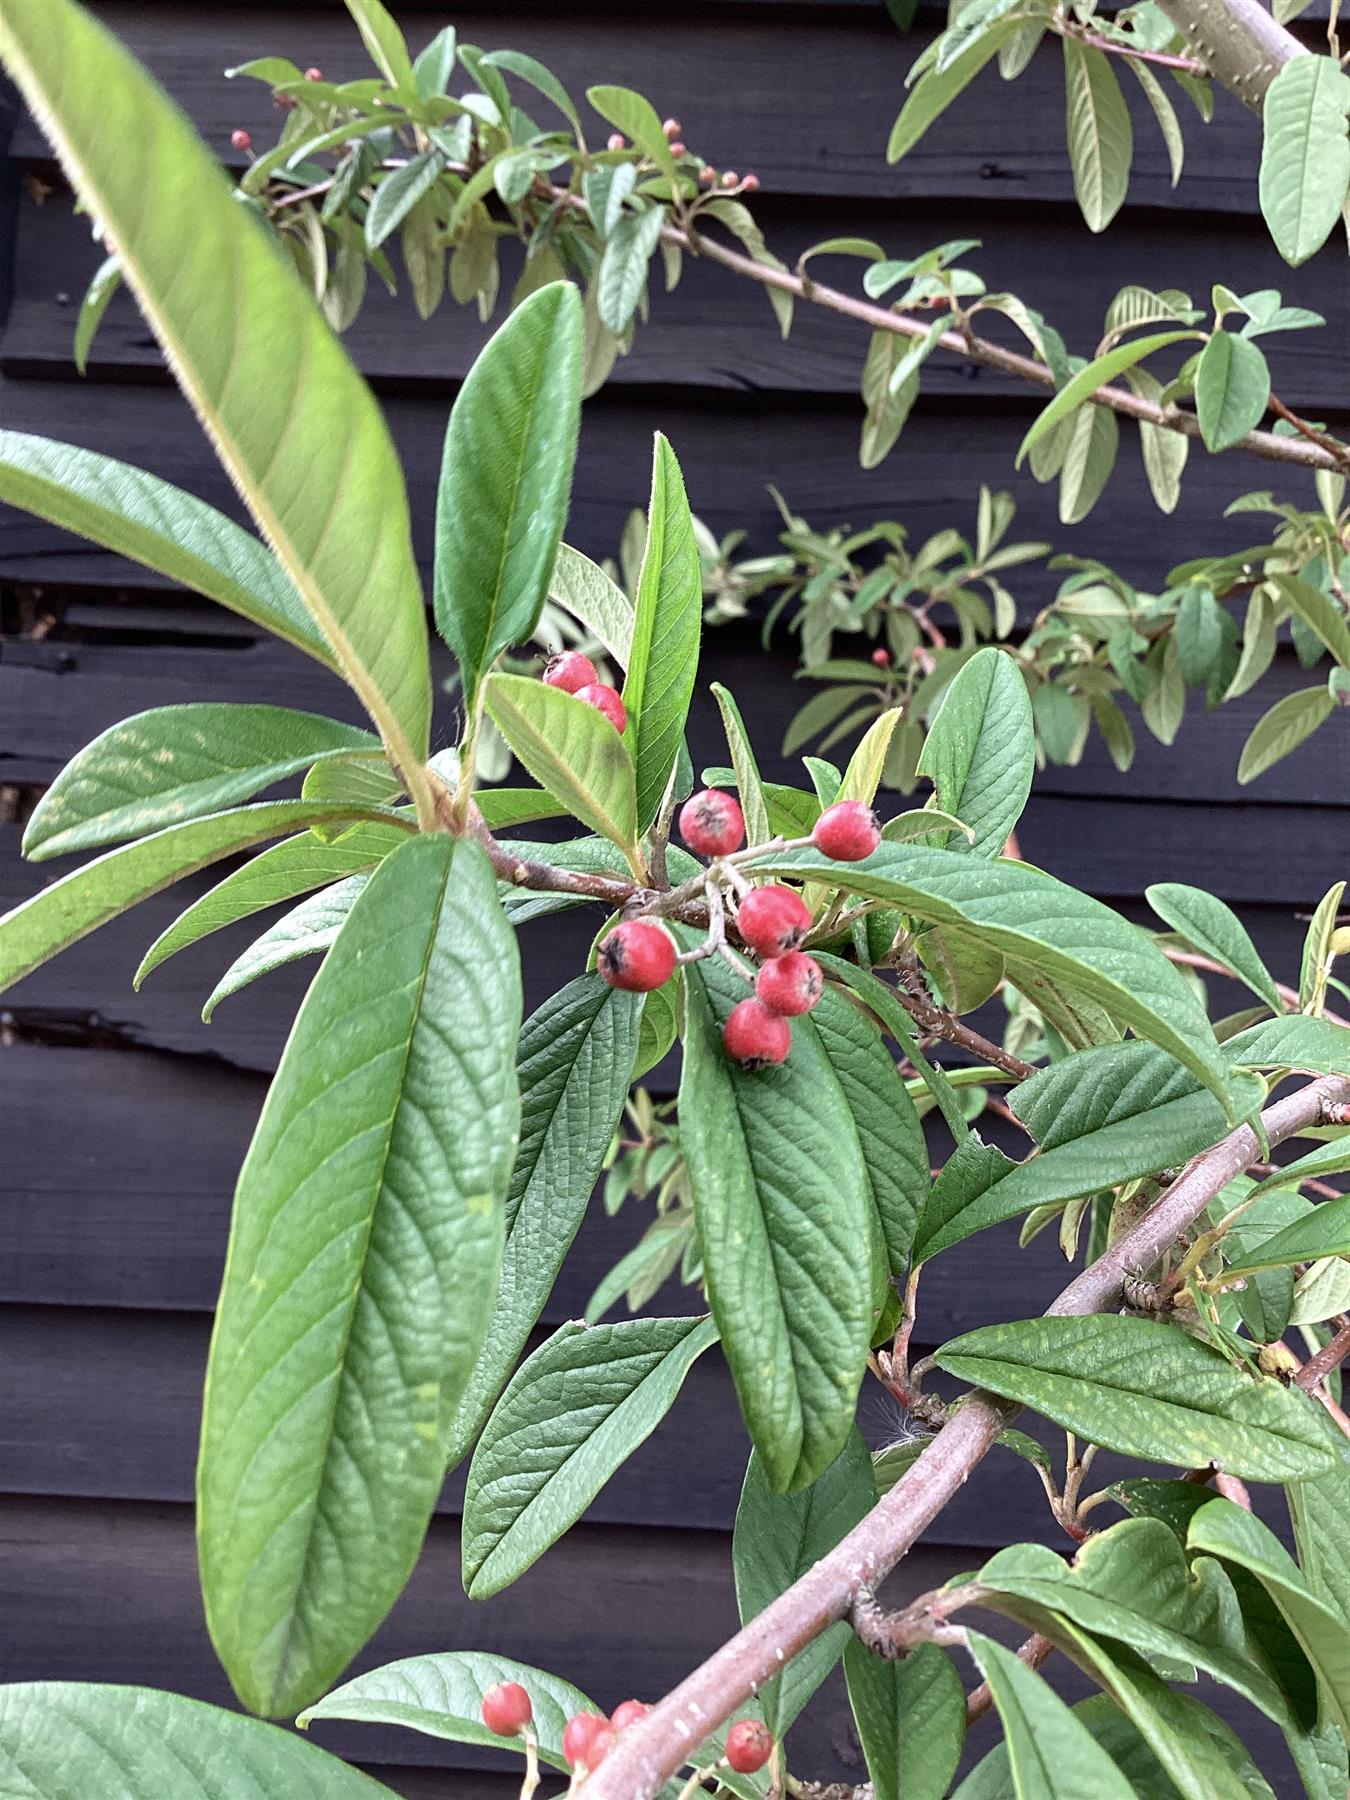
point(1293, 1041)
point(175, 763)
point(574, 1061)
point(1216, 931)
point(778, 1537)
point(571, 749)
point(361, 1276)
point(1044, 1739)
point(911, 1720)
point(780, 1194)
point(1325, 1231)
point(991, 1779)
point(505, 480)
point(1149, 1390)
point(981, 751)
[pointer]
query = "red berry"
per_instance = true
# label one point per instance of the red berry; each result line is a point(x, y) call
point(749, 1746)
point(790, 984)
point(882, 658)
point(241, 140)
point(731, 179)
point(847, 831)
point(599, 1747)
point(314, 74)
point(628, 1712)
point(507, 1709)
point(570, 671)
point(616, 141)
point(678, 149)
point(637, 956)
point(605, 700)
point(773, 920)
point(712, 823)
point(751, 184)
point(581, 1730)
point(755, 1036)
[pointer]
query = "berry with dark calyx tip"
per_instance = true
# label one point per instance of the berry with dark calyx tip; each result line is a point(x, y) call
point(731, 179)
point(678, 148)
point(790, 984)
point(628, 1712)
point(616, 141)
point(707, 176)
point(751, 184)
point(599, 1748)
point(241, 140)
point(507, 1709)
point(749, 1746)
point(881, 657)
point(756, 1037)
point(773, 920)
point(570, 671)
point(314, 74)
point(847, 831)
point(636, 956)
point(671, 128)
point(712, 823)
point(578, 1734)
point(605, 700)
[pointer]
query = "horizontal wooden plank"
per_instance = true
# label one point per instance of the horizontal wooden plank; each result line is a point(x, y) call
point(999, 139)
point(1023, 252)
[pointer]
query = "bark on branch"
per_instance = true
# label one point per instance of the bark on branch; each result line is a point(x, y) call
point(1239, 42)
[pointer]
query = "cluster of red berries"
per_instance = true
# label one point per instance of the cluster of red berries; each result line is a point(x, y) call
point(576, 674)
point(588, 1738)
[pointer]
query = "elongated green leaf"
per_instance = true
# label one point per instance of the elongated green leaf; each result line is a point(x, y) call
point(1044, 1739)
point(159, 526)
point(623, 272)
point(398, 193)
point(637, 118)
point(589, 595)
point(981, 751)
point(1318, 612)
point(778, 1537)
point(384, 43)
point(1319, 950)
point(1305, 154)
point(1147, 1389)
point(1097, 373)
point(1091, 442)
point(780, 1194)
point(1232, 387)
point(991, 1779)
point(911, 1720)
point(666, 630)
point(881, 1000)
point(1325, 1231)
point(107, 278)
point(571, 1415)
point(1331, 1158)
point(571, 749)
point(361, 1275)
point(88, 897)
point(505, 481)
point(441, 1695)
point(748, 783)
point(1164, 113)
point(1100, 1117)
point(867, 764)
point(309, 929)
point(1282, 729)
point(935, 91)
point(1039, 926)
point(60, 1740)
point(1221, 1529)
point(1101, 138)
point(1164, 452)
point(1216, 931)
point(1293, 1041)
point(1320, 1510)
point(296, 428)
point(175, 763)
point(575, 1058)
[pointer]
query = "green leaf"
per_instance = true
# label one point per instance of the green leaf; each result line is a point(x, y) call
point(887, 407)
point(1149, 1390)
point(589, 595)
point(1319, 950)
point(881, 1000)
point(1325, 1231)
point(441, 1695)
point(159, 526)
point(1108, 1727)
point(748, 784)
point(361, 1275)
point(1331, 1158)
point(398, 193)
point(623, 269)
point(1320, 1510)
point(1318, 612)
point(1199, 634)
point(1282, 729)
point(1164, 113)
point(1293, 1041)
point(867, 764)
point(1100, 1116)
point(1038, 925)
point(63, 1739)
point(934, 92)
point(1044, 1739)
point(571, 1415)
point(384, 44)
point(981, 750)
point(1089, 457)
point(571, 749)
point(309, 929)
point(637, 119)
point(1101, 139)
point(505, 481)
point(574, 1061)
point(1097, 373)
point(543, 80)
point(1164, 451)
point(780, 1195)
point(1221, 1529)
point(175, 763)
point(666, 630)
point(1215, 930)
point(107, 278)
point(434, 67)
point(778, 1537)
point(88, 897)
point(222, 299)
point(911, 1720)
point(1305, 154)
point(1232, 389)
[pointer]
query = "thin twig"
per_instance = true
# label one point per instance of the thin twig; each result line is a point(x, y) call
point(1329, 1357)
point(937, 1022)
point(1161, 59)
point(1313, 435)
point(1033, 1653)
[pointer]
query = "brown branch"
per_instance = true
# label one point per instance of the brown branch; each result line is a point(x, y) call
point(937, 1022)
point(1239, 42)
point(1329, 1357)
point(1160, 59)
point(1033, 1653)
point(650, 1751)
point(1313, 435)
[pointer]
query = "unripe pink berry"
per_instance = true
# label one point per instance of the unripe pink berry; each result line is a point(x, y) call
point(628, 1712)
point(754, 1036)
point(881, 657)
point(790, 984)
point(314, 74)
point(241, 140)
point(731, 179)
point(847, 831)
point(570, 671)
point(712, 823)
point(749, 1746)
point(578, 1735)
point(606, 700)
point(599, 1748)
point(751, 184)
point(507, 1709)
point(671, 127)
point(679, 148)
point(616, 141)
point(773, 920)
point(707, 176)
point(637, 955)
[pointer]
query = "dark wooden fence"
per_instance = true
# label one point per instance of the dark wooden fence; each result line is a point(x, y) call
point(124, 1119)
